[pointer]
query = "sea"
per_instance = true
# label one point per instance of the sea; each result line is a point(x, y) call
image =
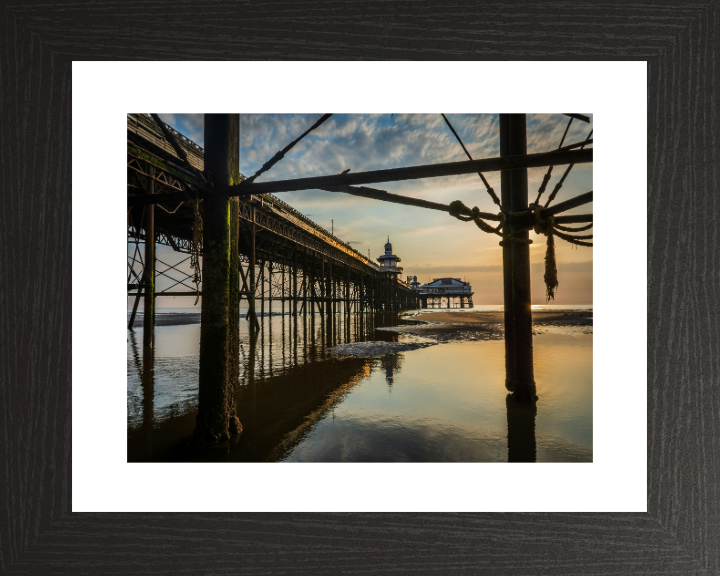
point(300, 401)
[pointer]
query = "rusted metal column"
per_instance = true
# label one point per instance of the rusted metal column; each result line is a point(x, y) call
point(361, 295)
point(262, 289)
point(305, 286)
point(149, 272)
point(270, 287)
point(233, 143)
point(347, 292)
point(251, 299)
point(335, 284)
point(219, 337)
point(519, 377)
point(329, 318)
point(323, 285)
point(295, 286)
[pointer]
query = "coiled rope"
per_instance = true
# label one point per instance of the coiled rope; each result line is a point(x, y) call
point(542, 226)
point(546, 226)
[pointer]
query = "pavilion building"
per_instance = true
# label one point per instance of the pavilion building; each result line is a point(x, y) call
point(444, 293)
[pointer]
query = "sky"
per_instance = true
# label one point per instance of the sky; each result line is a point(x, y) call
point(431, 244)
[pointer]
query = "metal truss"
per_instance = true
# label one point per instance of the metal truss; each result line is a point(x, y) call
point(298, 265)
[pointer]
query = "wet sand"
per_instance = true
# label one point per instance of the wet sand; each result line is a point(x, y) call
point(473, 325)
point(170, 319)
point(543, 317)
point(366, 349)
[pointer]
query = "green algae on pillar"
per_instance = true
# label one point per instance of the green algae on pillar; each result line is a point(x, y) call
point(219, 329)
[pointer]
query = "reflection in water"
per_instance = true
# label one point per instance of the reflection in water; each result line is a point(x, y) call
point(145, 366)
point(298, 403)
point(392, 363)
point(521, 430)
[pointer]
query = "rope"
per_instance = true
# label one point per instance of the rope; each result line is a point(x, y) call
point(196, 241)
point(547, 227)
point(465, 214)
point(488, 188)
point(570, 229)
point(574, 239)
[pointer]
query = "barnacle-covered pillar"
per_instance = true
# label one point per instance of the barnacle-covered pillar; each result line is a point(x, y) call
point(519, 377)
point(219, 329)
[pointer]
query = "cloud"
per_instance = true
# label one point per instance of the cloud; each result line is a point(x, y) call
point(190, 125)
point(420, 237)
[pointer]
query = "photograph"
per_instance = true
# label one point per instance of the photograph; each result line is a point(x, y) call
point(348, 287)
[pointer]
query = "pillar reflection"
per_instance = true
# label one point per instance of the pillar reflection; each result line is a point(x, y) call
point(148, 402)
point(521, 430)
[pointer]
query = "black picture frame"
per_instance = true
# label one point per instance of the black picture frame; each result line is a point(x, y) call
point(680, 532)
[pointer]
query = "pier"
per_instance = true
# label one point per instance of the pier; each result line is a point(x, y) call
point(244, 243)
point(286, 261)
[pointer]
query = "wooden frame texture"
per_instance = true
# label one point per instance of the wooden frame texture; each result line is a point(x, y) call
point(680, 534)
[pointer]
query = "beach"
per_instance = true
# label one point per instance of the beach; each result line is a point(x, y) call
point(431, 389)
point(542, 317)
point(475, 325)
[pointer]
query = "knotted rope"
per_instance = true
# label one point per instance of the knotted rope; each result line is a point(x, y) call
point(465, 214)
point(545, 226)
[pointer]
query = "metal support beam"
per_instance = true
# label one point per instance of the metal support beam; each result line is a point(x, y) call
point(553, 158)
point(149, 276)
point(262, 289)
point(519, 378)
point(294, 286)
point(219, 337)
point(270, 287)
point(135, 306)
point(252, 311)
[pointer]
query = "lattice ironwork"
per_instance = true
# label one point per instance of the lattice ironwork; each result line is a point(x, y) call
point(297, 262)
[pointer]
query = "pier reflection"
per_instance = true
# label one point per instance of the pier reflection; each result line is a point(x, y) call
point(145, 365)
point(298, 401)
point(288, 382)
point(392, 364)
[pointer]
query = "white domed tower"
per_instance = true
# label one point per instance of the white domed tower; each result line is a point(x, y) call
point(389, 261)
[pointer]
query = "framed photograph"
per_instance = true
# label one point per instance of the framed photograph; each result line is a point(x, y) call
point(336, 343)
point(99, 478)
